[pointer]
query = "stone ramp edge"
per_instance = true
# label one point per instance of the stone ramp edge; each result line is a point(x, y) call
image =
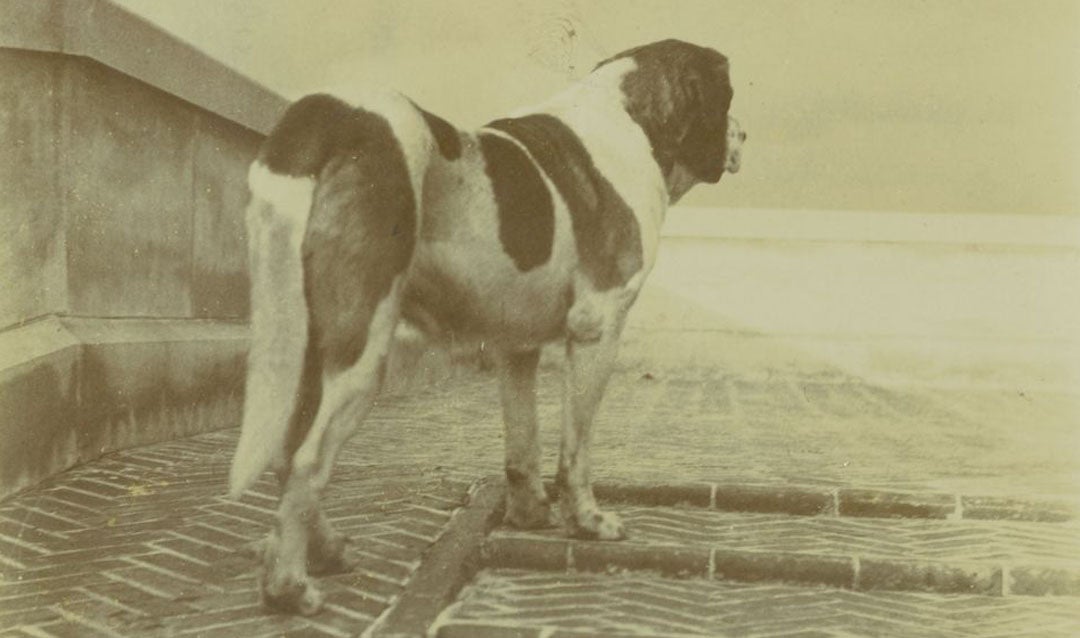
point(803, 500)
point(859, 573)
point(446, 567)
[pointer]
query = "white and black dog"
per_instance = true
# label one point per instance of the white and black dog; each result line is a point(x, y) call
point(534, 228)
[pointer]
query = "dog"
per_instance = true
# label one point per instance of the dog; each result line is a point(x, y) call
point(538, 227)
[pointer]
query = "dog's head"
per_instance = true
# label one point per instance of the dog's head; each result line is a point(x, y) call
point(680, 93)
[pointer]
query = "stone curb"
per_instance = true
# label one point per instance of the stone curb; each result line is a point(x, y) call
point(446, 566)
point(847, 572)
point(481, 629)
point(467, 546)
point(853, 502)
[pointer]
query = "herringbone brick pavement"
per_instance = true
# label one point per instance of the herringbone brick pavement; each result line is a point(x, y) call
point(534, 604)
point(141, 543)
point(1001, 541)
point(1001, 558)
point(664, 424)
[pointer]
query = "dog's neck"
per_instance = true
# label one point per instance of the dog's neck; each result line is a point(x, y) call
point(679, 181)
point(604, 87)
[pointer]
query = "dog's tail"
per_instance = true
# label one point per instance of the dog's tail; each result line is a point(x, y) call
point(276, 223)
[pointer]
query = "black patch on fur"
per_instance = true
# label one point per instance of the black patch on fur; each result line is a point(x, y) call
point(313, 129)
point(438, 305)
point(605, 230)
point(561, 485)
point(360, 235)
point(514, 477)
point(522, 363)
point(680, 95)
point(446, 136)
point(309, 396)
point(526, 212)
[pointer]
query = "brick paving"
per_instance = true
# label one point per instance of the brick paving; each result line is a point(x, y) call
point(526, 604)
point(1014, 542)
point(142, 543)
point(999, 559)
point(661, 423)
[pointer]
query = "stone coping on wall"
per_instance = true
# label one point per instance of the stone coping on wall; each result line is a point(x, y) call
point(107, 33)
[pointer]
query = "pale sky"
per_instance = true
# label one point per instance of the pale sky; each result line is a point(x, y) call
point(894, 105)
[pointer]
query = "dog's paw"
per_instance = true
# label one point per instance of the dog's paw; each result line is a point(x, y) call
point(254, 549)
point(293, 597)
point(597, 525)
point(330, 557)
point(531, 514)
point(334, 566)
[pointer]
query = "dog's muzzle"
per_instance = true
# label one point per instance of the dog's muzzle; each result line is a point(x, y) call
point(735, 138)
point(733, 162)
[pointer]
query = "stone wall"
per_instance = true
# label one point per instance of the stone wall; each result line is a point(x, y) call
point(123, 284)
point(123, 259)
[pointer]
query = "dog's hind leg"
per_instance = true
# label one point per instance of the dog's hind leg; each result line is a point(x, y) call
point(347, 397)
point(359, 242)
point(306, 541)
point(326, 548)
point(527, 504)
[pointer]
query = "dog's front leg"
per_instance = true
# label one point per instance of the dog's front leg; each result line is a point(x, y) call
point(589, 365)
point(527, 504)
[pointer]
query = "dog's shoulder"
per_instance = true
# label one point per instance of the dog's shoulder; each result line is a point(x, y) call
point(599, 164)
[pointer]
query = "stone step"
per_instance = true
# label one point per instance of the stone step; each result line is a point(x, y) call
point(505, 603)
point(811, 500)
point(997, 558)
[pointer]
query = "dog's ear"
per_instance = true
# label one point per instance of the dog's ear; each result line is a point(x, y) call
point(702, 148)
point(680, 94)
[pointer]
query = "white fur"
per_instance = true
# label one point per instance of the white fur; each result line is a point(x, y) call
point(460, 241)
point(279, 209)
point(594, 109)
point(290, 197)
point(735, 138)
